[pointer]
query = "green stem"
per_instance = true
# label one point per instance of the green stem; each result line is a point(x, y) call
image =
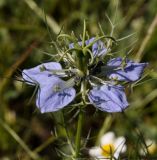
point(106, 125)
point(84, 34)
point(67, 134)
point(78, 134)
point(31, 154)
point(80, 122)
point(49, 20)
point(44, 145)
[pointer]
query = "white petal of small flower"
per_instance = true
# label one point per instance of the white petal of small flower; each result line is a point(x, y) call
point(119, 146)
point(151, 147)
point(96, 152)
point(107, 138)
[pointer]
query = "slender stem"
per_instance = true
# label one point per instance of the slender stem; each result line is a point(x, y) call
point(80, 122)
point(84, 34)
point(30, 153)
point(50, 21)
point(146, 40)
point(67, 134)
point(78, 134)
point(106, 125)
point(44, 145)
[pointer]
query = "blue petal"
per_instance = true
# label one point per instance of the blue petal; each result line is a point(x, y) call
point(50, 100)
point(131, 72)
point(71, 45)
point(108, 98)
point(37, 75)
point(116, 62)
point(89, 40)
point(98, 48)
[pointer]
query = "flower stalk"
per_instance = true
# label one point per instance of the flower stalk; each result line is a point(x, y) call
point(78, 134)
point(80, 121)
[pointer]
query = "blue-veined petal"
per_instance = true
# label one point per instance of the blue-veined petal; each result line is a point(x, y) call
point(89, 40)
point(108, 98)
point(40, 74)
point(54, 96)
point(116, 62)
point(131, 71)
point(98, 48)
point(71, 45)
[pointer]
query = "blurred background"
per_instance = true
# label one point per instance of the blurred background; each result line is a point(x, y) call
point(25, 41)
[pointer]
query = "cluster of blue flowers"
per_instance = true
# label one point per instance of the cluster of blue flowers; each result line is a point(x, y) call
point(89, 62)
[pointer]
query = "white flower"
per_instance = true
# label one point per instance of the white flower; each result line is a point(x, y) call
point(151, 147)
point(110, 146)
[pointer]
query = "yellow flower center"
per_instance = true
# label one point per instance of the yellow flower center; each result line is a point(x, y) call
point(152, 148)
point(108, 150)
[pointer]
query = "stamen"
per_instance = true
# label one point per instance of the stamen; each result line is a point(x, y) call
point(63, 72)
point(56, 88)
point(99, 80)
point(69, 83)
point(64, 85)
point(108, 150)
point(42, 68)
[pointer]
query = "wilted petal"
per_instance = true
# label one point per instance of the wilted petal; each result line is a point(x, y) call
point(132, 71)
point(40, 74)
point(54, 96)
point(108, 98)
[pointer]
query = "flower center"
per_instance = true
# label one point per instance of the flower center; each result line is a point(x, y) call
point(152, 148)
point(108, 150)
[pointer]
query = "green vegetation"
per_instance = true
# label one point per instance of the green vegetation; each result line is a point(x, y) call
point(28, 29)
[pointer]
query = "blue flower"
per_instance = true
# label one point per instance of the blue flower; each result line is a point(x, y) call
point(52, 93)
point(98, 48)
point(54, 96)
point(131, 71)
point(109, 98)
point(40, 74)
